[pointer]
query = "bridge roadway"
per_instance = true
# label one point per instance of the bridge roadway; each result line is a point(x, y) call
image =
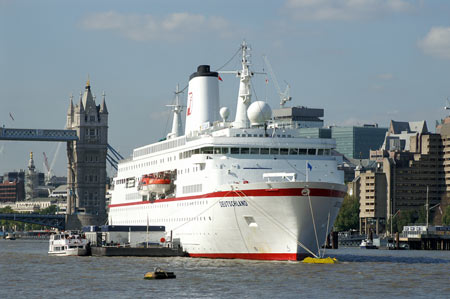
point(57, 221)
point(37, 134)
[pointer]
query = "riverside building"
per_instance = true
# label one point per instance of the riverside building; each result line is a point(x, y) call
point(409, 168)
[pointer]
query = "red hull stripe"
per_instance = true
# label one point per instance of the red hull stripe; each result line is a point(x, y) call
point(253, 256)
point(243, 193)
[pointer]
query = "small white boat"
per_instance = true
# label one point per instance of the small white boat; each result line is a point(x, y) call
point(367, 244)
point(68, 243)
point(10, 237)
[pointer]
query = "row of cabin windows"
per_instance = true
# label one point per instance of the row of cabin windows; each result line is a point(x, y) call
point(236, 151)
point(265, 135)
point(256, 151)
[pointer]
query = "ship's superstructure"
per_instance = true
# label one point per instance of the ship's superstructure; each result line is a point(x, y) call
point(232, 189)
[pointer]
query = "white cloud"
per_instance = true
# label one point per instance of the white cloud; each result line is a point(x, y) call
point(147, 27)
point(343, 10)
point(385, 76)
point(436, 42)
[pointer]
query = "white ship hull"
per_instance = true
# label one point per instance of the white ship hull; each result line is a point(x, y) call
point(70, 252)
point(241, 189)
point(269, 221)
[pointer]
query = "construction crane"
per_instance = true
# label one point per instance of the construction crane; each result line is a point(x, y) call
point(49, 169)
point(284, 96)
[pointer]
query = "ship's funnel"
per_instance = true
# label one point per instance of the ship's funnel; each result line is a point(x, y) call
point(203, 99)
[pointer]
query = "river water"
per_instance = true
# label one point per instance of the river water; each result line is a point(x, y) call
point(26, 271)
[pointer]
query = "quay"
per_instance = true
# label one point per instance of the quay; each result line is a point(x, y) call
point(125, 240)
point(422, 237)
point(136, 251)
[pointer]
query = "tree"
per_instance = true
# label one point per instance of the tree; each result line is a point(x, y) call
point(51, 210)
point(348, 217)
point(446, 216)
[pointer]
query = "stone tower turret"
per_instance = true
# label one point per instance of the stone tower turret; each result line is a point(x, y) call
point(87, 156)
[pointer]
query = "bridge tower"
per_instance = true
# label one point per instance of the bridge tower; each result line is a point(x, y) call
point(86, 176)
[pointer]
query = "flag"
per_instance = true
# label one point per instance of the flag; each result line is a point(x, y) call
point(219, 78)
point(309, 166)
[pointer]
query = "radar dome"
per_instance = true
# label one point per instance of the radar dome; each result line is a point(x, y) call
point(224, 113)
point(259, 112)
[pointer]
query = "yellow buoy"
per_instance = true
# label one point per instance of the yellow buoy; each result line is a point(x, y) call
point(159, 274)
point(326, 260)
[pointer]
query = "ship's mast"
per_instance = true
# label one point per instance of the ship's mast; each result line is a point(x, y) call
point(177, 126)
point(244, 98)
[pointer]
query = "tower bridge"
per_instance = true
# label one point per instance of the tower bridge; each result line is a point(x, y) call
point(37, 134)
point(86, 135)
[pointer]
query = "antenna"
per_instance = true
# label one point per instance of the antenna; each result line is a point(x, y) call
point(177, 108)
point(448, 105)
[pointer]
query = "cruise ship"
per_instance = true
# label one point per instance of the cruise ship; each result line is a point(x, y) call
point(231, 189)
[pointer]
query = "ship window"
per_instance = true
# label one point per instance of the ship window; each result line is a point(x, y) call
point(238, 135)
point(130, 182)
point(254, 151)
point(224, 150)
point(197, 151)
point(245, 150)
point(274, 151)
point(320, 151)
point(217, 150)
point(327, 152)
point(260, 135)
point(302, 151)
point(284, 151)
point(243, 135)
point(206, 150)
point(264, 151)
point(234, 150)
point(311, 151)
point(293, 151)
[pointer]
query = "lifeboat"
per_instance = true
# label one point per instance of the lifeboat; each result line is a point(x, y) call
point(151, 183)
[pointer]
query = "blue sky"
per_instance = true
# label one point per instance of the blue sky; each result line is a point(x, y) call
point(363, 61)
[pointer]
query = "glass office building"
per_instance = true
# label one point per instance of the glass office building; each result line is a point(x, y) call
point(356, 142)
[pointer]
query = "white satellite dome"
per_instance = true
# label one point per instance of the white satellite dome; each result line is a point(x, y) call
point(224, 113)
point(259, 112)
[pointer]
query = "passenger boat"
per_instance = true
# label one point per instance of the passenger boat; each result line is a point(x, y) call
point(10, 236)
point(238, 189)
point(367, 244)
point(68, 243)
